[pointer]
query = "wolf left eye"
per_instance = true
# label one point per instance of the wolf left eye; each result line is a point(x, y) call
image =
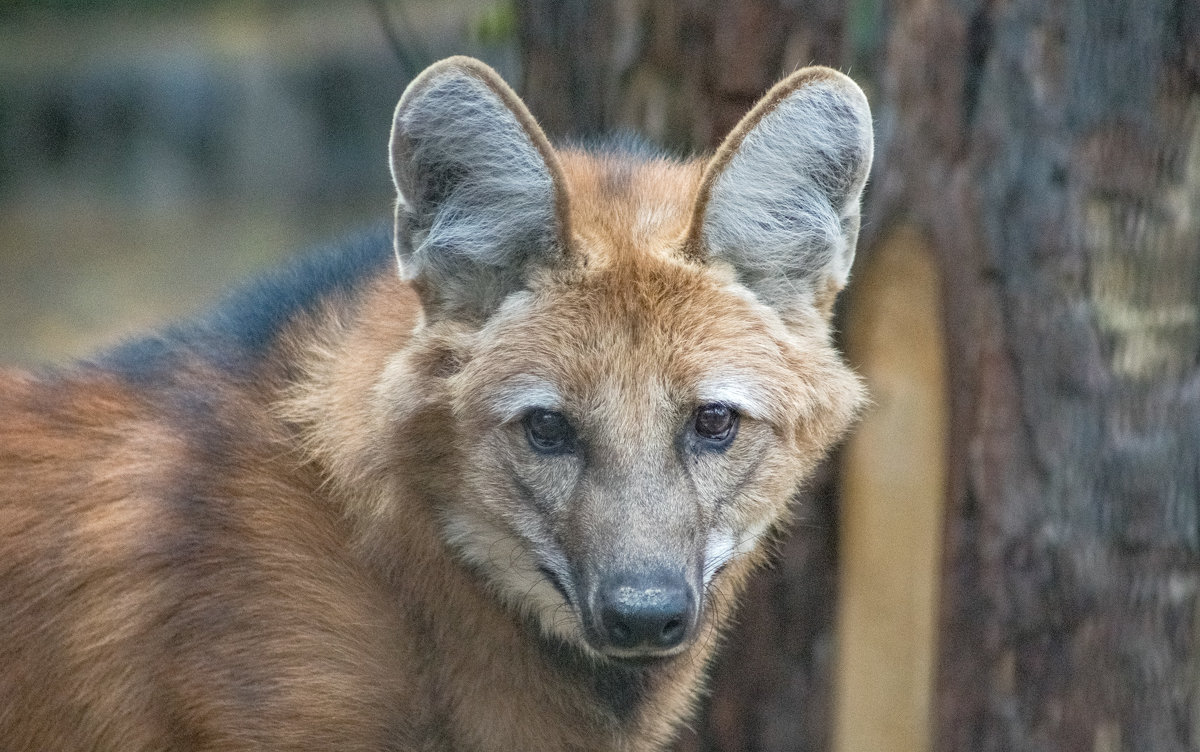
point(716, 422)
point(548, 431)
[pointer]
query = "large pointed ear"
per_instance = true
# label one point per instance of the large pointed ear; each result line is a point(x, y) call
point(481, 198)
point(780, 199)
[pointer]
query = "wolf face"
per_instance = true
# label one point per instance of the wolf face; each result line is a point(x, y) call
point(631, 357)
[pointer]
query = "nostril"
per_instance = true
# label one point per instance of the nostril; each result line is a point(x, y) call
point(672, 633)
point(620, 633)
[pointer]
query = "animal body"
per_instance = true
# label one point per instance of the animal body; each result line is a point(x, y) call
point(500, 495)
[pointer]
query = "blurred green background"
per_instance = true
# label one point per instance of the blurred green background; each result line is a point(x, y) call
point(153, 153)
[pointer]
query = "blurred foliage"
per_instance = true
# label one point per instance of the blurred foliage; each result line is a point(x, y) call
point(865, 27)
point(16, 10)
point(12, 8)
point(497, 23)
point(153, 152)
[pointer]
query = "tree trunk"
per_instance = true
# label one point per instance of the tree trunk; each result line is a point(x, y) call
point(1047, 154)
point(1051, 153)
point(681, 72)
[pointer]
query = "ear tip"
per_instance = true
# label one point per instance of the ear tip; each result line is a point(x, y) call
point(846, 89)
point(451, 67)
point(441, 72)
point(820, 74)
point(819, 85)
point(464, 64)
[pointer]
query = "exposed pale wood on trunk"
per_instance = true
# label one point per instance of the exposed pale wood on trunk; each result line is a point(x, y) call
point(893, 488)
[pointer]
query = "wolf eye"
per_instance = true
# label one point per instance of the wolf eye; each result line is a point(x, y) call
point(548, 431)
point(716, 422)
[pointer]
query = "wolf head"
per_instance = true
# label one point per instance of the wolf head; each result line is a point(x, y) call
point(634, 355)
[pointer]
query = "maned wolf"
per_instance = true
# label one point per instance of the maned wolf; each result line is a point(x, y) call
point(500, 499)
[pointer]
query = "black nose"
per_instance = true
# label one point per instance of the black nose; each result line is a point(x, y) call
point(647, 612)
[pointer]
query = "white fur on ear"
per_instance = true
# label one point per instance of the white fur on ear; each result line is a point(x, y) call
point(479, 199)
point(780, 200)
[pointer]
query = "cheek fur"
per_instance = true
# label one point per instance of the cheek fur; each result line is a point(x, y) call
point(726, 544)
point(719, 475)
point(546, 482)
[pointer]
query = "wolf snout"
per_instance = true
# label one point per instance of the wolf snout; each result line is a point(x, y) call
point(644, 615)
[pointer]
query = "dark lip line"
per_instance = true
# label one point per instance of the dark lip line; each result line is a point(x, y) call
point(641, 661)
point(549, 574)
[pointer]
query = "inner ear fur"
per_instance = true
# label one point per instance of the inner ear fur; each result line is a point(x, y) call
point(480, 193)
point(780, 199)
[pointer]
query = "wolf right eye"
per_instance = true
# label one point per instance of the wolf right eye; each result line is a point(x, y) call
point(548, 431)
point(716, 423)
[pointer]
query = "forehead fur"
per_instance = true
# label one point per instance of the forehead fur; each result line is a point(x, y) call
point(624, 207)
point(634, 314)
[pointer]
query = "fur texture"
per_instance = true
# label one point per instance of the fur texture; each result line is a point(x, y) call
point(321, 517)
point(782, 196)
point(478, 201)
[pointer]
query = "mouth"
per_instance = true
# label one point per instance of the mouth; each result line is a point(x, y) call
point(641, 661)
point(642, 656)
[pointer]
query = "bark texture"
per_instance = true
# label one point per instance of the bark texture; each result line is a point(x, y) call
point(1051, 152)
point(681, 72)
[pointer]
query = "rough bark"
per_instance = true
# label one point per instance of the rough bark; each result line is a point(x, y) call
point(1051, 151)
point(680, 72)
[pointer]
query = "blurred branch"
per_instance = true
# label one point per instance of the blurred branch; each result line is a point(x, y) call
point(413, 57)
